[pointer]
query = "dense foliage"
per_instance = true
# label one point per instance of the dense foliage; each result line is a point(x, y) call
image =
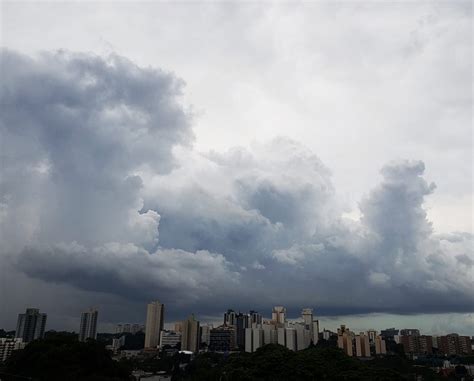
point(61, 357)
point(275, 362)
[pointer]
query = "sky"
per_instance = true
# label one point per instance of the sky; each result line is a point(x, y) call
point(216, 155)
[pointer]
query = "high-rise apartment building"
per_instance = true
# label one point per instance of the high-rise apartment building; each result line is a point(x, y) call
point(206, 334)
point(230, 318)
point(416, 344)
point(380, 346)
point(88, 327)
point(311, 324)
point(362, 345)
point(154, 324)
point(255, 319)
point(345, 340)
point(31, 325)
point(242, 322)
point(222, 339)
point(279, 315)
point(190, 335)
point(254, 339)
point(453, 344)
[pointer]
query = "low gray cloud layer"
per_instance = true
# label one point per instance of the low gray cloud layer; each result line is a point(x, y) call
point(102, 190)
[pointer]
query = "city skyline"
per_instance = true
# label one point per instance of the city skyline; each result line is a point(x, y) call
point(251, 155)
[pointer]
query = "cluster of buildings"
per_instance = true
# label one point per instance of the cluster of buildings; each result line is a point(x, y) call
point(365, 344)
point(239, 331)
point(415, 343)
point(242, 332)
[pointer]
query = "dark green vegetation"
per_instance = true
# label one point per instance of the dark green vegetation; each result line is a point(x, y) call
point(61, 357)
point(275, 363)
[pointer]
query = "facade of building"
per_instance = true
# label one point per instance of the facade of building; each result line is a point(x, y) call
point(389, 333)
point(362, 345)
point(8, 345)
point(269, 334)
point(453, 344)
point(206, 334)
point(242, 322)
point(154, 324)
point(255, 319)
point(222, 339)
point(380, 346)
point(170, 338)
point(129, 328)
point(88, 326)
point(345, 340)
point(279, 315)
point(409, 332)
point(254, 339)
point(190, 335)
point(230, 318)
point(31, 325)
point(416, 344)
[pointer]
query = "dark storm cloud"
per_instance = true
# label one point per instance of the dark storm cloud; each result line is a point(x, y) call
point(96, 161)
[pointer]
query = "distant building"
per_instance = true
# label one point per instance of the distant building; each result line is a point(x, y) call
point(178, 326)
point(31, 325)
point(222, 339)
point(345, 340)
point(416, 344)
point(254, 339)
point(409, 332)
point(8, 345)
point(88, 327)
point(230, 318)
point(190, 335)
point(453, 344)
point(362, 345)
point(279, 315)
point(269, 334)
point(255, 319)
point(311, 324)
point(206, 334)
point(380, 346)
point(170, 338)
point(242, 322)
point(129, 328)
point(389, 333)
point(154, 324)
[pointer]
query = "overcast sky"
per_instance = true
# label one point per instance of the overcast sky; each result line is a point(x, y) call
point(238, 155)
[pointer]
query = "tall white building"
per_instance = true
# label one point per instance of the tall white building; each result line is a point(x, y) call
point(154, 324)
point(88, 327)
point(254, 339)
point(270, 335)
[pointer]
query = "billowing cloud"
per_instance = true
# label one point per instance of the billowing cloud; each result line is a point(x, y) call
point(101, 190)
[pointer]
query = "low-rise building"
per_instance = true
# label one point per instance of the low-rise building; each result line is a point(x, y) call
point(8, 345)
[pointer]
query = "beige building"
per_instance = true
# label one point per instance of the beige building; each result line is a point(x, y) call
point(362, 345)
point(344, 340)
point(380, 347)
point(190, 337)
point(154, 324)
point(279, 315)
